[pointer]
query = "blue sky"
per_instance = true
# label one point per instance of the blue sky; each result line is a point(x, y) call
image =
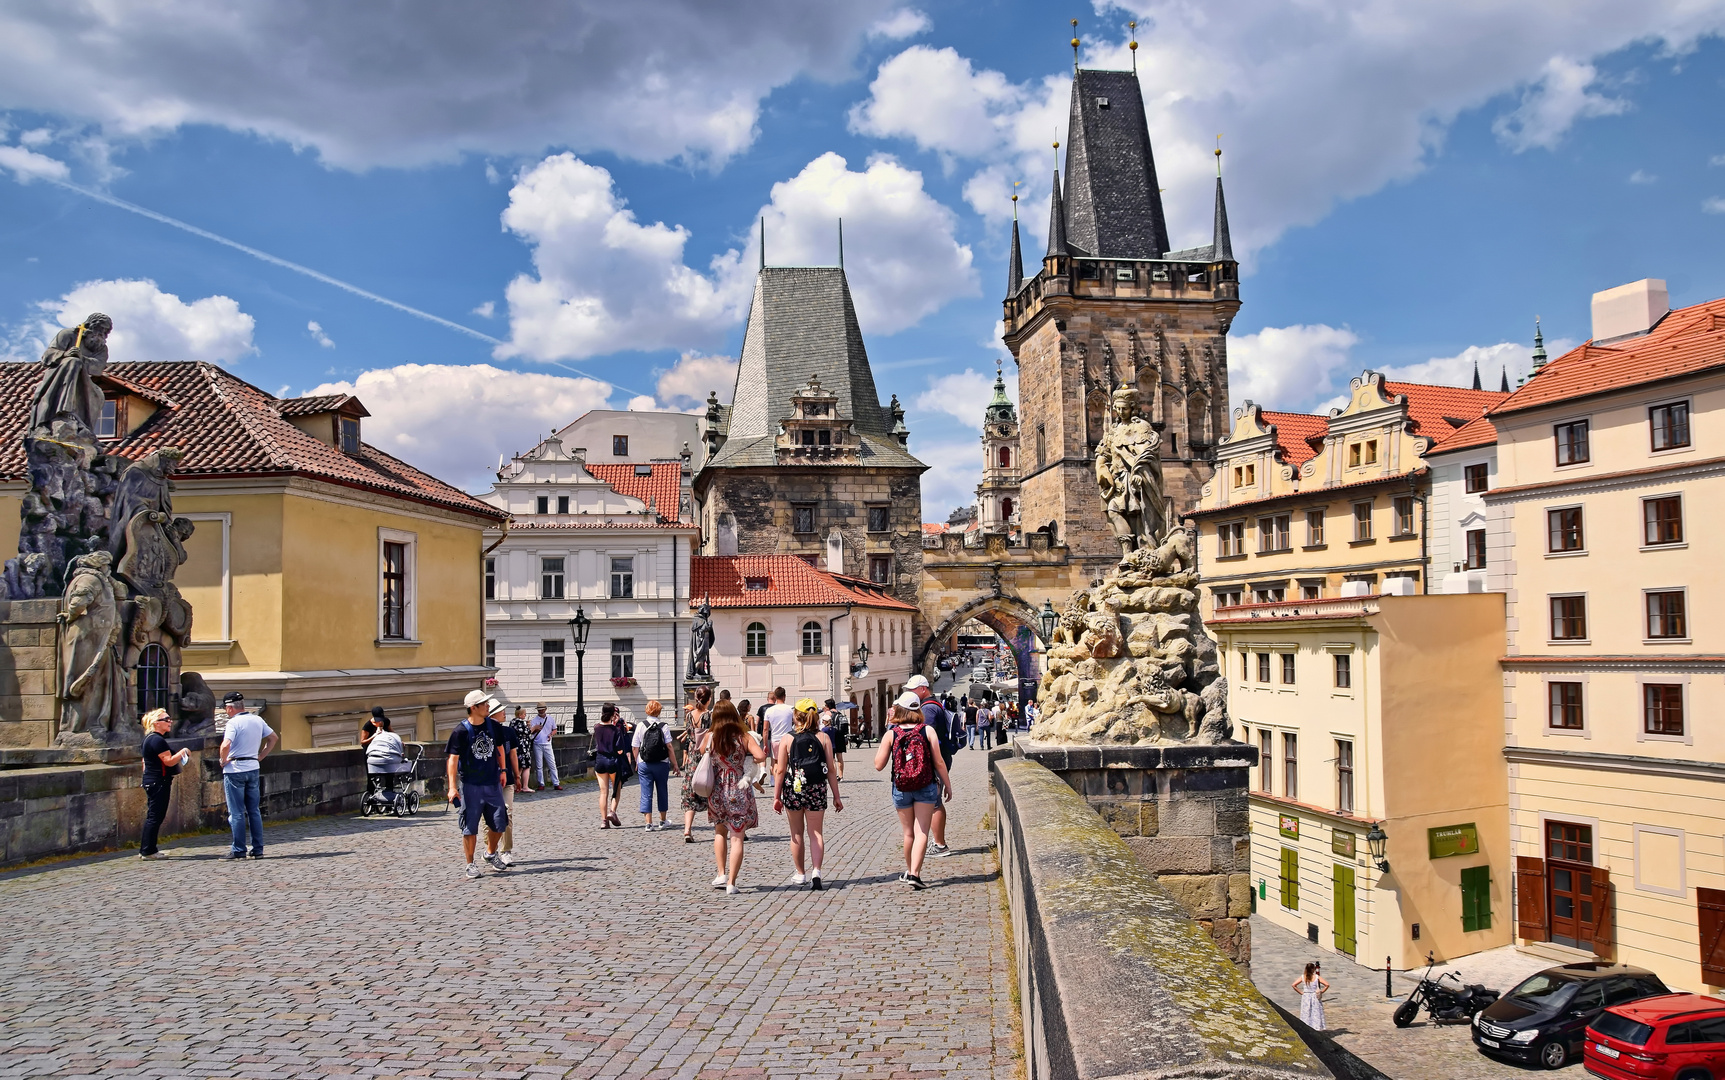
point(1409, 185)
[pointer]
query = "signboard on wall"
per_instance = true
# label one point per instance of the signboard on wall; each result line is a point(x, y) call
point(1288, 825)
point(1449, 840)
point(1342, 843)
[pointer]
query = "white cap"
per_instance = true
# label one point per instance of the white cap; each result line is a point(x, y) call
point(494, 707)
point(908, 700)
point(476, 697)
point(916, 682)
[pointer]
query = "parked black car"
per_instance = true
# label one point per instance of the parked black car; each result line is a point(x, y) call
point(1542, 1021)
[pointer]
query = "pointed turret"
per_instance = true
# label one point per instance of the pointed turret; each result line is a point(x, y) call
point(1056, 222)
point(1476, 384)
point(1538, 346)
point(1015, 262)
point(1001, 408)
point(1504, 388)
point(1223, 249)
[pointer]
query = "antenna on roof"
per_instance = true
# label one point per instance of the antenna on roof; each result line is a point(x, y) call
point(763, 241)
point(1074, 46)
point(841, 243)
point(1133, 44)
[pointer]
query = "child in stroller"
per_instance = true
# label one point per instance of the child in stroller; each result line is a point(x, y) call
point(391, 780)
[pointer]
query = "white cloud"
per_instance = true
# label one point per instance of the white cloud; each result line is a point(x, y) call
point(27, 165)
point(689, 381)
point(900, 24)
point(954, 467)
point(964, 395)
point(453, 421)
point(1458, 370)
point(150, 324)
point(317, 335)
point(642, 403)
point(1713, 205)
point(486, 310)
point(1716, 159)
point(650, 80)
point(1287, 368)
point(1552, 105)
point(1641, 176)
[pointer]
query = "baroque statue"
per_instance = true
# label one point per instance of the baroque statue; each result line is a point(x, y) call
point(701, 638)
point(92, 683)
point(68, 388)
point(1129, 475)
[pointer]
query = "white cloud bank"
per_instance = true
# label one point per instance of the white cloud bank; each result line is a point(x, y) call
point(689, 381)
point(149, 324)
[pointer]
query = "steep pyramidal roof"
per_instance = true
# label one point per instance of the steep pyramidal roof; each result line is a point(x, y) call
point(1113, 202)
point(1056, 221)
point(1015, 267)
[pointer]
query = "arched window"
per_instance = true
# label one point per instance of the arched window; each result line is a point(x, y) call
point(1005, 509)
point(811, 638)
point(152, 678)
point(755, 640)
point(1006, 457)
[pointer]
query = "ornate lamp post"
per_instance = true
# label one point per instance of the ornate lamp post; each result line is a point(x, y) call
point(859, 665)
point(578, 628)
point(1049, 620)
point(1376, 841)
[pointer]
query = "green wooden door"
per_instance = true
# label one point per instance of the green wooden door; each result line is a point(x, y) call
point(1290, 880)
point(1342, 890)
point(1476, 898)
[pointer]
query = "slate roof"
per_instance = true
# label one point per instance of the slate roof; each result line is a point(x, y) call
point(791, 582)
point(1113, 203)
point(1295, 433)
point(1686, 341)
point(664, 486)
point(228, 427)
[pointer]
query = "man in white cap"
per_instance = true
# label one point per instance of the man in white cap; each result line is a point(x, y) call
point(514, 751)
point(935, 717)
point(476, 776)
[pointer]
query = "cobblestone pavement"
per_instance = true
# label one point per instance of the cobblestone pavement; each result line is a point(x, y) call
point(357, 949)
point(1358, 1015)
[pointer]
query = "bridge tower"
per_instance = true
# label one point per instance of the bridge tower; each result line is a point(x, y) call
point(997, 497)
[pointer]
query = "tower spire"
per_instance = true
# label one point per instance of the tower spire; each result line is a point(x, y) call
point(1222, 245)
point(1538, 347)
point(1056, 213)
point(1015, 262)
point(1476, 384)
point(1503, 388)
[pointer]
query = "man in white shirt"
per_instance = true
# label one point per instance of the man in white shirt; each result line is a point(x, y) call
point(544, 755)
point(781, 718)
point(246, 741)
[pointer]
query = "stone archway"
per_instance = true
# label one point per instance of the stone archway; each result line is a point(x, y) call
point(1011, 618)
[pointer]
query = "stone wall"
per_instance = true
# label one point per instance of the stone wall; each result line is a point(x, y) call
point(1114, 979)
point(29, 672)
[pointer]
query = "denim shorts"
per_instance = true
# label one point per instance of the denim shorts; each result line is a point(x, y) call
point(903, 800)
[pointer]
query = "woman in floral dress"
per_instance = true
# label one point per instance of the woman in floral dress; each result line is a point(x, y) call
point(691, 756)
point(731, 806)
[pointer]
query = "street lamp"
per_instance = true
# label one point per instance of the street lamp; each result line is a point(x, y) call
point(578, 628)
point(1376, 841)
point(1049, 620)
point(859, 667)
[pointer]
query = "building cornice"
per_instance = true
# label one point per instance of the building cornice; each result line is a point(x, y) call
point(1334, 816)
point(1611, 481)
point(1408, 478)
point(1620, 763)
point(1695, 663)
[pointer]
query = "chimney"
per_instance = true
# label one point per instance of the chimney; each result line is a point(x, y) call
point(1629, 310)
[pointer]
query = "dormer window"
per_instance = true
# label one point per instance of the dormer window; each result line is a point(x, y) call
point(349, 426)
point(808, 437)
point(108, 426)
point(619, 446)
point(826, 437)
point(643, 470)
point(755, 584)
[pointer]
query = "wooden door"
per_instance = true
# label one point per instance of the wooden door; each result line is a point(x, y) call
point(1570, 900)
point(1342, 891)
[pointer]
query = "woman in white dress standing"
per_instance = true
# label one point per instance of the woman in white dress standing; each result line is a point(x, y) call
point(1311, 989)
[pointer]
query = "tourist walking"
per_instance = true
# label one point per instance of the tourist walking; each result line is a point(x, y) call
point(161, 765)
point(731, 806)
point(803, 770)
point(779, 718)
point(245, 743)
point(945, 730)
point(1311, 987)
point(611, 763)
point(476, 775)
point(523, 743)
point(384, 755)
point(690, 753)
point(835, 732)
point(919, 779)
point(541, 726)
point(515, 776)
point(652, 745)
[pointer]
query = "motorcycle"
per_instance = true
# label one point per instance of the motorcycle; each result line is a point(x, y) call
point(1446, 1005)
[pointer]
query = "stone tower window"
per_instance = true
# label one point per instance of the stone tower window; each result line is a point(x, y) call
point(1005, 457)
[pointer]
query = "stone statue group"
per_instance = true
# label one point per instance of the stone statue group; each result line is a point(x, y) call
point(99, 531)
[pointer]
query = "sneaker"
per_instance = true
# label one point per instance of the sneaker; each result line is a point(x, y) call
point(508, 859)
point(915, 882)
point(229, 856)
point(904, 877)
point(798, 878)
point(153, 855)
point(719, 882)
point(730, 890)
point(255, 855)
point(938, 851)
point(496, 861)
point(815, 881)
point(472, 870)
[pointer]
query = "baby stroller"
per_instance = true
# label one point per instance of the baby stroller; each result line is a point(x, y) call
point(399, 792)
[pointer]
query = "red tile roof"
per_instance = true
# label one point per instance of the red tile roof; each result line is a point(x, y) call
point(1686, 341)
point(323, 403)
point(1476, 432)
point(1295, 434)
point(790, 582)
point(1431, 408)
point(935, 528)
point(227, 427)
point(664, 487)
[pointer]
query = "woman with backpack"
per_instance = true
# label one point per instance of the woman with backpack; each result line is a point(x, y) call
point(610, 758)
point(731, 806)
point(803, 769)
point(919, 779)
point(691, 753)
point(653, 753)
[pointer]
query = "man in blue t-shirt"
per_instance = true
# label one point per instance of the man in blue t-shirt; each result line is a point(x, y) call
point(515, 765)
point(938, 719)
point(476, 777)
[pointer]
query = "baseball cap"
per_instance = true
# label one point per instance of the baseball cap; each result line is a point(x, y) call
point(908, 700)
point(916, 682)
point(475, 697)
point(806, 705)
point(233, 697)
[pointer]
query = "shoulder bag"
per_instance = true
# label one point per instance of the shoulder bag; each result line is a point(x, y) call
point(704, 777)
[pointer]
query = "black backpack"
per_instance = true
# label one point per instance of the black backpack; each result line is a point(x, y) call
point(653, 746)
point(809, 758)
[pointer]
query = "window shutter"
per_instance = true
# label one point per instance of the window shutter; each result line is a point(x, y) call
point(1602, 915)
point(1476, 898)
point(1710, 915)
point(1530, 898)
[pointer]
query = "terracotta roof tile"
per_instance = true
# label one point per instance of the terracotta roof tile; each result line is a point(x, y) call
point(520, 525)
point(311, 406)
point(664, 486)
point(227, 427)
point(1686, 341)
point(1295, 433)
point(1431, 408)
point(1476, 432)
point(789, 581)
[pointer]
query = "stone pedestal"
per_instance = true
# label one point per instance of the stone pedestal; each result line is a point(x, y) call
point(1182, 810)
point(29, 672)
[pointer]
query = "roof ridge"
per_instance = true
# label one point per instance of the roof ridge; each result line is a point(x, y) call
point(242, 414)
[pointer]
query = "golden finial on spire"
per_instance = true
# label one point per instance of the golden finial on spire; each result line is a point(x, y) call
point(1133, 44)
point(1074, 46)
point(1057, 155)
point(1218, 157)
point(1015, 184)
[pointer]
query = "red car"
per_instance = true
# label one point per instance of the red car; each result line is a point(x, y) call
point(1669, 1037)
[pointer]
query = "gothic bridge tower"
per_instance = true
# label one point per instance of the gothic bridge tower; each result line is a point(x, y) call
point(1112, 306)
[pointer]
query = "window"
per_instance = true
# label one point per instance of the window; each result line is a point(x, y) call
point(1266, 761)
point(1475, 550)
point(619, 446)
point(152, 678)
point(542, 504)
point(395, 590)
point(1314, 528)
point(1664, 708)
point(811, 638)
point(490, 577)
point(1264, 667)
point(1344, 670)
point(551, 579)
point(1571, 439)
point(1665, 615)
point(1227, 598)
point(1663, 518)
point(1569, 618)
point(755, 640)
point(1669, 425)
point(803, 519)
point(622, 578)
point(1041, 445)
point(808, 437)
point(1344, 776)
point(1475, 898)
point(1245, 475)
point(1569, 843)
point(824, 437)
point(562, 504)
point(108, 424)
point(1287, 669)
point(1273, 533)
point(1290, 765)
point(755, 584)
point(1311, 590)
point(349, 427)
point(1005, 457)
point(1563, 530)
point(1476, 478)
point(1005, 509)
point(1289, 879)
point(1362, 521)
point(1565, 700)
point(1404, 506)
point(490, 652)
point(1230, 539)
point(551, 661)
point(880, 569)
point(1363, 453)
point(879, 519)
point(622, 658)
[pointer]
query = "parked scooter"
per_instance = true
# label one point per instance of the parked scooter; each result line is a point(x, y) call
point(1447, 1005)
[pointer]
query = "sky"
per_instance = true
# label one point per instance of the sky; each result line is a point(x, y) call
point(487, 220)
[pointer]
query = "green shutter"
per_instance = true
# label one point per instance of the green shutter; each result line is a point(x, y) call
point(1476, 898)
point(1290, 879)
point(1342, 889)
